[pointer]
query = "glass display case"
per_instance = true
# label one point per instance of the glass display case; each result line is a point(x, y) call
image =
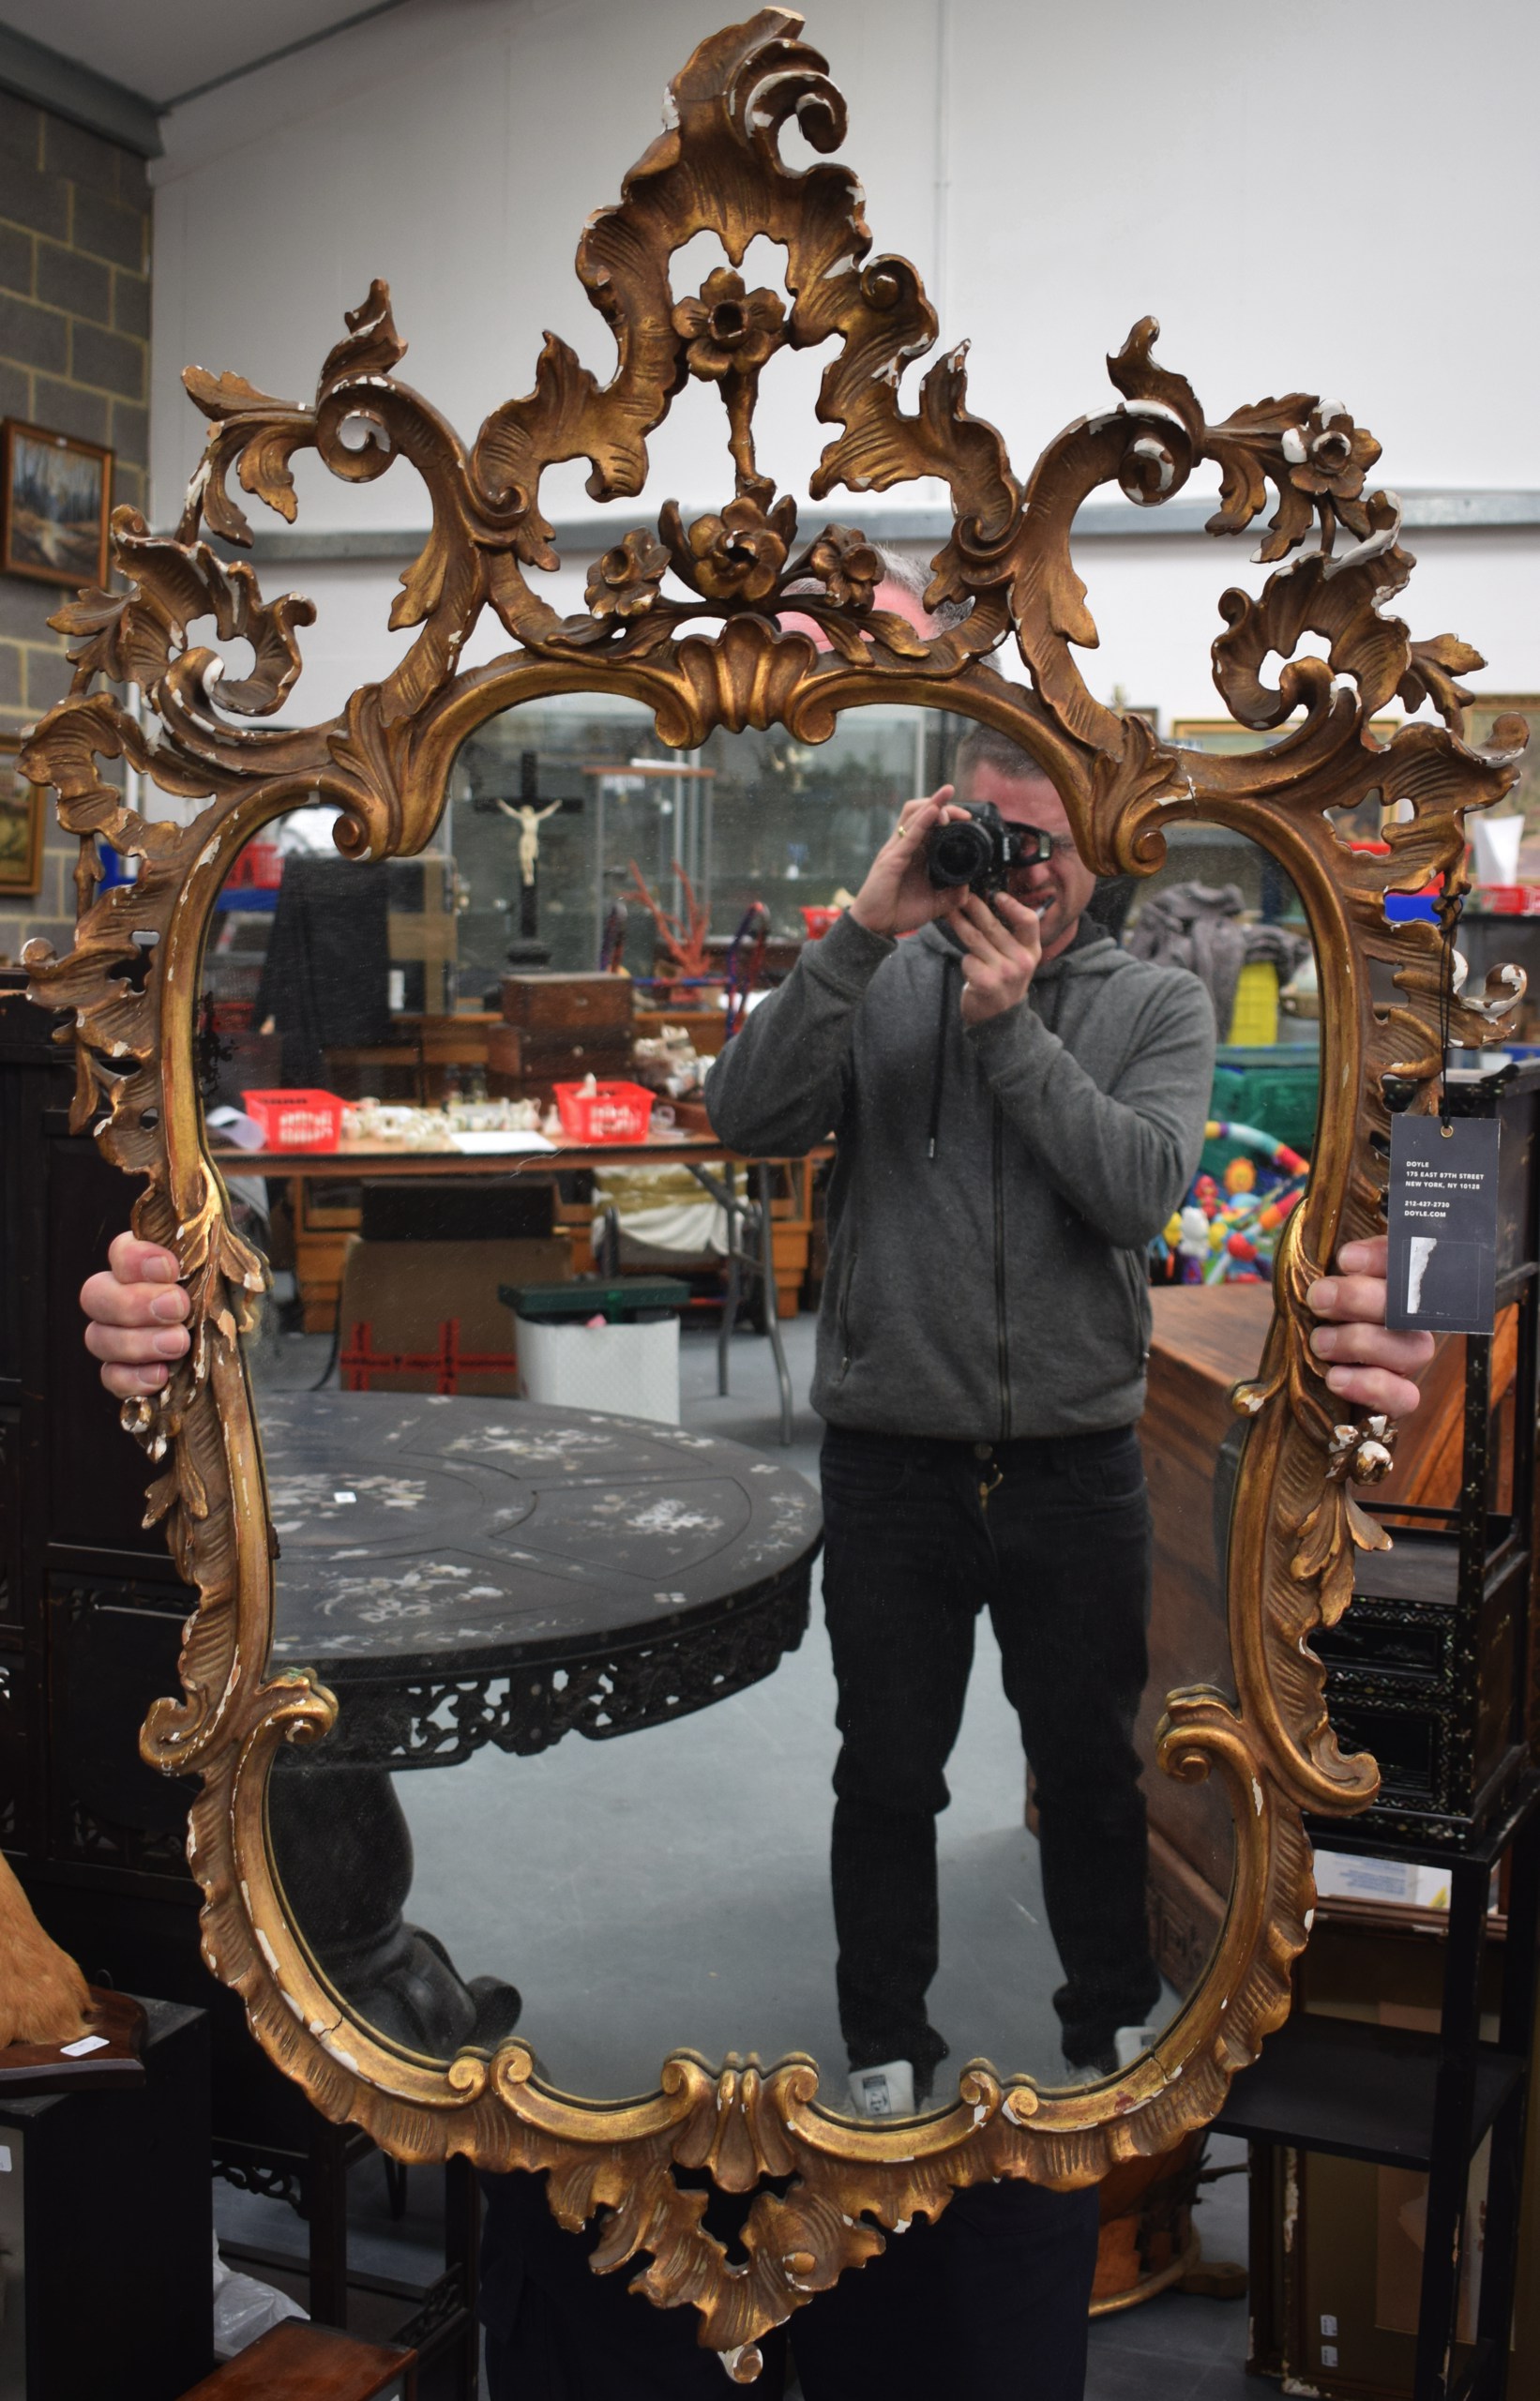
point(749, 817)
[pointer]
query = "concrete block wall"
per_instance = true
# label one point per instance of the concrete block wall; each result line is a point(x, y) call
point(74, 356)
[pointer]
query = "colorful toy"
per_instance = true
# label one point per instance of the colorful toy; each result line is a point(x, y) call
point(1212, 1240)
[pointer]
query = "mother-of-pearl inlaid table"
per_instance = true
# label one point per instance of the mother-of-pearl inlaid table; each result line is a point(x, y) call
point(462, 1573)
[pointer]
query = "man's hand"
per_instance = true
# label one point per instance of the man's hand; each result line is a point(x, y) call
point(1370, 1366)
point(136, 1310)
point(898, 895)
point(1000, 954)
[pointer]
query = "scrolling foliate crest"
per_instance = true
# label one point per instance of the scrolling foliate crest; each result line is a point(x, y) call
point(690, 615)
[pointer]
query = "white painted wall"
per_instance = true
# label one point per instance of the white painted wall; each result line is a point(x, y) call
point(1337, 195)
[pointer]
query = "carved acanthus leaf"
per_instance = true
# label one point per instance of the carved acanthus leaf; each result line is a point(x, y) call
point(228, 395)
point(132, 636)
point(1435, 665)
point(371, 346)
point(1248, 450)
point(747, 676)
point(1134, 797)
point(370, 752)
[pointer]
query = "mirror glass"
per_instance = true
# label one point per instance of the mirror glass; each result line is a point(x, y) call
point(623, 1764)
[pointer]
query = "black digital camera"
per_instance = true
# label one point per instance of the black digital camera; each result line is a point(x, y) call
point(981, 849)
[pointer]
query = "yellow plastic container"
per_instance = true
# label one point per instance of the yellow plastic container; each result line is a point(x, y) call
point(1255, 1021)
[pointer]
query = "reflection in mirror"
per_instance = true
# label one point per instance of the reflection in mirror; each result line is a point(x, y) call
point(594, 1711)
point(750, 818)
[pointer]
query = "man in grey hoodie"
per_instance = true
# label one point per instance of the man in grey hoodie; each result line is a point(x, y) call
point(1019, 1107)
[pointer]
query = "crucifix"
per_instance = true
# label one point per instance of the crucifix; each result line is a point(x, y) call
point(529, 813)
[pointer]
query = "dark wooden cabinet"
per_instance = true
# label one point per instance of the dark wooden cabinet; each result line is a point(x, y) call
point(1433, 1668)
point(90, 1617)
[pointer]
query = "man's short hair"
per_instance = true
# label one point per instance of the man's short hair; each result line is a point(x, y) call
point(982, 746)
point(913, 575)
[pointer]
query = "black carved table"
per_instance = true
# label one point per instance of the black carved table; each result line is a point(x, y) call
point(462, 1572)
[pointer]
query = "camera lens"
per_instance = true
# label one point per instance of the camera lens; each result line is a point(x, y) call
point(958, 852)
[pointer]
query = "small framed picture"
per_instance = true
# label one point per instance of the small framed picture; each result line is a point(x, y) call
point(21, 807)
point(1524, 799)
point(1222, 734)
point(58, 495)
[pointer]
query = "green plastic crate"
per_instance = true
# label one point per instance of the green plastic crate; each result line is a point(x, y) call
point(1277, 1090)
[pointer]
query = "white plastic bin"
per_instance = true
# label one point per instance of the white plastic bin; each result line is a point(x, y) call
point(631, 1369)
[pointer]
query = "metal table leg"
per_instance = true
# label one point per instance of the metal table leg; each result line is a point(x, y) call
point(728, 1197)
point(772, 1306)
point(762, 1264)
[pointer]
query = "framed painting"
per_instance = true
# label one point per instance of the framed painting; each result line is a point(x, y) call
point(58, 495)
point(21, 824)
point(1524, 798)
point(1219, 735)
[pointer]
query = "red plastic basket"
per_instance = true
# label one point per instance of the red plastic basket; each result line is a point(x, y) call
point(819, 921)
point(608, 1113)
point(258, 868)
point(296, 1121)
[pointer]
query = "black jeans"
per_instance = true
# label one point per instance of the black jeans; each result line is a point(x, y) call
point(1058, 1551)
point(993, 2302)
point(556, 2332)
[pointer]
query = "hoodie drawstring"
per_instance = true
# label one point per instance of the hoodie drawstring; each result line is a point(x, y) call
point(1047, 1007)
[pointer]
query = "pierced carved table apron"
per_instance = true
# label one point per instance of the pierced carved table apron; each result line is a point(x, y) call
point(466, 1572)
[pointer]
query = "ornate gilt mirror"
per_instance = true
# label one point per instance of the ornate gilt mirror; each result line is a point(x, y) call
point(616, 2036)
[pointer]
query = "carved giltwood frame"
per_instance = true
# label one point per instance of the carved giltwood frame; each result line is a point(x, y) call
point(132, 978)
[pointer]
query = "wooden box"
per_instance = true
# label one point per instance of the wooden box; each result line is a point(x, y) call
point(547, 1002)
point(405, 1290)
point(548, 1053)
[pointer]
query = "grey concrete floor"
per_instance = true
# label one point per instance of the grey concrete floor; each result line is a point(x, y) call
point(622, 1872)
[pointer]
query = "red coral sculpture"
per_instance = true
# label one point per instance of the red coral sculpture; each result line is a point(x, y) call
point(682, 955)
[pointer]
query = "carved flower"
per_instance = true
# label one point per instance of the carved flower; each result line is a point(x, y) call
point(1363, 1453)
point(846, 565)
point(624, 582)
point(1330, 454)
point(738, 556)
point(729, 331)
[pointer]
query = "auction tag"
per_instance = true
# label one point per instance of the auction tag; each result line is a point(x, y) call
point(1442, 1210)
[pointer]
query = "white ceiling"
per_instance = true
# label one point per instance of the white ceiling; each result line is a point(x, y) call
point(165, 49)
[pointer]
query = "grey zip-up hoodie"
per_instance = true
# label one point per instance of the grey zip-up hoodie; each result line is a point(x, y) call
point(994, 1186)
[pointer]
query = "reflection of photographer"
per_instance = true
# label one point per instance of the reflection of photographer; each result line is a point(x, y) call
point(1020, 1105)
